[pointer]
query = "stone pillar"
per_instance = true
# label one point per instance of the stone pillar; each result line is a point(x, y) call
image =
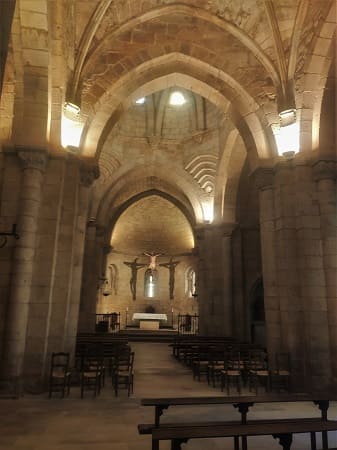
point(202, 282)
point(240, 310)
point(88, 297)
point(88, 174)
point(312, 290)
point(293, 329)
point(215, 280)
point(34, 163)
point(325, 174)
point(228, 310)
point(264, 179)
point(90, 278)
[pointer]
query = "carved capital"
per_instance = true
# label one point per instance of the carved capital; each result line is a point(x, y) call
point(89, 173)
point(325, 170)
point(33, 159)
point(263, 178)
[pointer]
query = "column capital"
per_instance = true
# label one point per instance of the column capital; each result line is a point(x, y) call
point(33, 159)
point(89, 173)
point(263, 178)
point(324, 170)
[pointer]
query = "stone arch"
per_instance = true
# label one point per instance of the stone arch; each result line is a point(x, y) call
point(155, 13)
point(172, 183)
point(212, 84)
point(312, 85)
point(228, 177)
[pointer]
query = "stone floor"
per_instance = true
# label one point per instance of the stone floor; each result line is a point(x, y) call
point(110, 423)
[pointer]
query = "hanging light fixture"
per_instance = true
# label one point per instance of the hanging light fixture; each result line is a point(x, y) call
point(287, 134)
point(71, 127)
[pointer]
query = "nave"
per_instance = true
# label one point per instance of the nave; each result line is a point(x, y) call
point(110, 423)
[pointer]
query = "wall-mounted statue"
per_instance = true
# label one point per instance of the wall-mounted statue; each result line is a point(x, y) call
point(171, 266)
point(134, 266)
point(111, 282)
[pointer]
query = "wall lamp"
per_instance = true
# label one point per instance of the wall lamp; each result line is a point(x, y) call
point(3, 236)
point(287, 134)
point(71, 127)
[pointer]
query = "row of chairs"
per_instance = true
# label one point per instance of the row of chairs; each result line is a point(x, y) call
point(90, 371)
point(239, 366)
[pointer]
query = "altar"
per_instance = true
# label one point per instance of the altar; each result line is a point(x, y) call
point(149, 321)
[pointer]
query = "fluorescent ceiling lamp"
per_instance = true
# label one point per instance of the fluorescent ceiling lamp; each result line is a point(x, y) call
point(208, 209)
point(140, 101)
point(71, 108)
point(177, 99)
point(287, 117)
point(71, 126)
point(287, 135)
point(287, 139)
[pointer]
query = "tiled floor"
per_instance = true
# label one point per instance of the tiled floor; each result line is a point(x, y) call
point(109, 423)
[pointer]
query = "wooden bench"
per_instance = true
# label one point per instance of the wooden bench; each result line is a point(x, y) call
point(242, 403)
point(278, 429)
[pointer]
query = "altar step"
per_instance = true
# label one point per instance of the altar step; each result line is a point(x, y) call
point(138, 335)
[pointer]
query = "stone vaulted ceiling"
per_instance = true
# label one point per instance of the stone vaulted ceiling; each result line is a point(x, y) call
point(238, 63)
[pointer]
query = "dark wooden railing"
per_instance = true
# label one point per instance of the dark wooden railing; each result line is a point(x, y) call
point(188, 324)
point(108, 323)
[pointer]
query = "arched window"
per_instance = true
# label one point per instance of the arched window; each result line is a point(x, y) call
point(190, 282)
point(150, 283)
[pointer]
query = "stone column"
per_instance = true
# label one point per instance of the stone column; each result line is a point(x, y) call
point(215, 280)
point(264, 179)
point(293, 328)
point(312, 292)
point(228, 310)
point(34, 164)
point(241, 330)
point(88, 297)
point(202, 282)
point(88, 174)
point(325, 174)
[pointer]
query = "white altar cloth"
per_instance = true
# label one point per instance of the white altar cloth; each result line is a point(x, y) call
point(149, 316)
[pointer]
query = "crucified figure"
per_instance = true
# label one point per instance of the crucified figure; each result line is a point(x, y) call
point(134, 266)
point(153, 256)
point(171, 265)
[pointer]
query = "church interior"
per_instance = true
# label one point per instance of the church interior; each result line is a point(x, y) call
point(174, 159)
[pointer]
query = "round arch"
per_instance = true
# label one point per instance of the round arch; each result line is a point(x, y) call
point(215, 85)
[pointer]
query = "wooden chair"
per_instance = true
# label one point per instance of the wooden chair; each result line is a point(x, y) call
point(231, 372)
point(258, 370)
point(214, 368)
point(122, 372)
point(59, 378)
point(280, 377)
point(92, 375)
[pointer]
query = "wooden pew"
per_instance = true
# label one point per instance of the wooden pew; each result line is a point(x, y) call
point(241, 403)
point(278, 429)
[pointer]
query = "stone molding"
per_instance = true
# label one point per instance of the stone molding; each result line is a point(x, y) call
point(264, 178)
point(325, 170)
point(33, 159)
point(88, 174)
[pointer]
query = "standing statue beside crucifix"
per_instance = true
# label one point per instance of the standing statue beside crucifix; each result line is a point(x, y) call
point(171, 265)
point(134, 266)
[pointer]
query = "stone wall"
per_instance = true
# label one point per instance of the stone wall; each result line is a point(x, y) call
point(120, 299)
point(46, 199)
